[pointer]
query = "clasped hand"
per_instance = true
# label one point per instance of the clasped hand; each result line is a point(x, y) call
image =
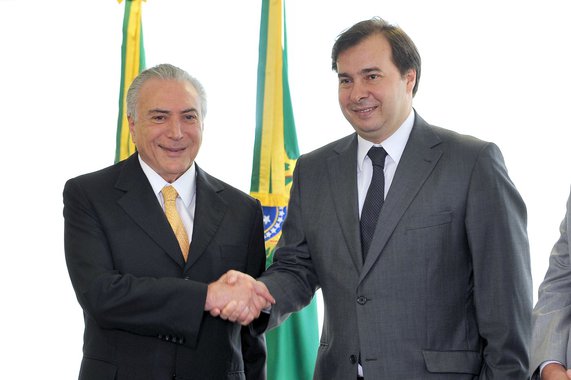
point(555, 371)
point(237, 297)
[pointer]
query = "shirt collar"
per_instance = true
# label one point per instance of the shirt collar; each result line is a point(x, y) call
point(394, 145)
point(185, 185)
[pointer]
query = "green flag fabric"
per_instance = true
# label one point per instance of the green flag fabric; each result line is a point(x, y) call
point(132, 63)
point(292, 347)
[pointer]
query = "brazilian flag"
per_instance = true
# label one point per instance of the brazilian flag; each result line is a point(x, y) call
point(292, 347)
point(132, 63)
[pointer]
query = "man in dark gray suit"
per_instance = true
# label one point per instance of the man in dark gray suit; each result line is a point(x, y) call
point(145, 289)
point(551, 342)
point(443, 290)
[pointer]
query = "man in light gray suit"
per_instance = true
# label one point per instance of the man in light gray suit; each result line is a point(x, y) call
point(444, 289)
point(551, 349)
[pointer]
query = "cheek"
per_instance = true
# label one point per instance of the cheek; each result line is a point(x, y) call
point(344, 105)
point(136, 134)
point(154, 135)
point(196, 134)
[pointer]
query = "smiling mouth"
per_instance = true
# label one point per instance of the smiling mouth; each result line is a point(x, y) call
point(365, 110)
point(172, 150)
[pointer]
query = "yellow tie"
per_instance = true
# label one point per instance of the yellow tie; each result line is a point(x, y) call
point(169, 195)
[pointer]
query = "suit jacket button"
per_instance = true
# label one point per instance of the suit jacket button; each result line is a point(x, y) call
point(353, 359)
point(361, 300)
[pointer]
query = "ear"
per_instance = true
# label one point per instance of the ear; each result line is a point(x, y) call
point(132, 128)
point(410, 78)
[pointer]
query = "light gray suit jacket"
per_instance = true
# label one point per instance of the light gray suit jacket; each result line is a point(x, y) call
point(445, 291)
point(552, 313)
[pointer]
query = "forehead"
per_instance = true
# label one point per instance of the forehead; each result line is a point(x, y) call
point(168, 94)
point(374, 50)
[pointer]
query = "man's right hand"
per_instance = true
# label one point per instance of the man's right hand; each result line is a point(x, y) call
point(554, 371)
point(237, 297)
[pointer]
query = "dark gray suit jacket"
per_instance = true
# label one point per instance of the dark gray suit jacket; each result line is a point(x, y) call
point(445, 291)
point(143, 306)
point(552, 313)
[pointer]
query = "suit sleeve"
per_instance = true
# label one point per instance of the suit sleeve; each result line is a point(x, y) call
point(291, 278)
point(254, 345)
point(552, 313)
point(141, 305)
point(496, 227)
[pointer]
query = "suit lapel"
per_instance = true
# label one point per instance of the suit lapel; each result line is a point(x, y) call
point(208, 215)
point(417, 162)
point(141, 204)
point(342, 168)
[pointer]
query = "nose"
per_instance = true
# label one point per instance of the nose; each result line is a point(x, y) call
point(175, 130)
point(358, 92)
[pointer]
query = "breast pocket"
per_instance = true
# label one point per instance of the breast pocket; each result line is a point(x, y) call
point(427, 221)
point(430, 234)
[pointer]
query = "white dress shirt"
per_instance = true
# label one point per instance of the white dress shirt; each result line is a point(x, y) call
point(185, 186)
point(394, 146)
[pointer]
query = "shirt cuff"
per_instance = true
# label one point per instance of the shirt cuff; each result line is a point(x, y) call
point(542, 365)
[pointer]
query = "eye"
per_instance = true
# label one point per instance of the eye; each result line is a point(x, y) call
point(158, 118)
point(190, 117)
point(344, 81)
point(373, 76)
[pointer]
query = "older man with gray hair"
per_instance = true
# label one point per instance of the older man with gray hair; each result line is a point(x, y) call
point(146, 241)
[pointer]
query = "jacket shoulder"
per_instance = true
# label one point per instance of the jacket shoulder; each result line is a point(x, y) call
point(462, 146)
point(331, 148)
point(456, 138)
point(102, 178)
point(225, 190)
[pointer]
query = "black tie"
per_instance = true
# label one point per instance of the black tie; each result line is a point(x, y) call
point(374, 199)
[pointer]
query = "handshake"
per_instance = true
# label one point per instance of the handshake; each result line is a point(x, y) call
point(237, 297)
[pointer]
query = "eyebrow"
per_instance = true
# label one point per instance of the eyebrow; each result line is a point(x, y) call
point(367, 70)
point(158, 110)
point(167, 112)
point(370, 70)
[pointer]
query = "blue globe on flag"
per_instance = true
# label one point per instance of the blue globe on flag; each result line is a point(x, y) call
point(274, 218)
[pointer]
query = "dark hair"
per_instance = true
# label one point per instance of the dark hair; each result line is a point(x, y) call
point(405, 54)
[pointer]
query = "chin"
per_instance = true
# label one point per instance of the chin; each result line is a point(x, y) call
point(368, 131)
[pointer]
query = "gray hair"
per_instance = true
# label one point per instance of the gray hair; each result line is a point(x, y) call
point(163, 71)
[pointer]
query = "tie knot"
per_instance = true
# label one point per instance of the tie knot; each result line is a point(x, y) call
point(377, 154)
point(169, 193)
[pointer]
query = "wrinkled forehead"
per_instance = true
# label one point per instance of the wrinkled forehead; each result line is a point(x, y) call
point(169, 95)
